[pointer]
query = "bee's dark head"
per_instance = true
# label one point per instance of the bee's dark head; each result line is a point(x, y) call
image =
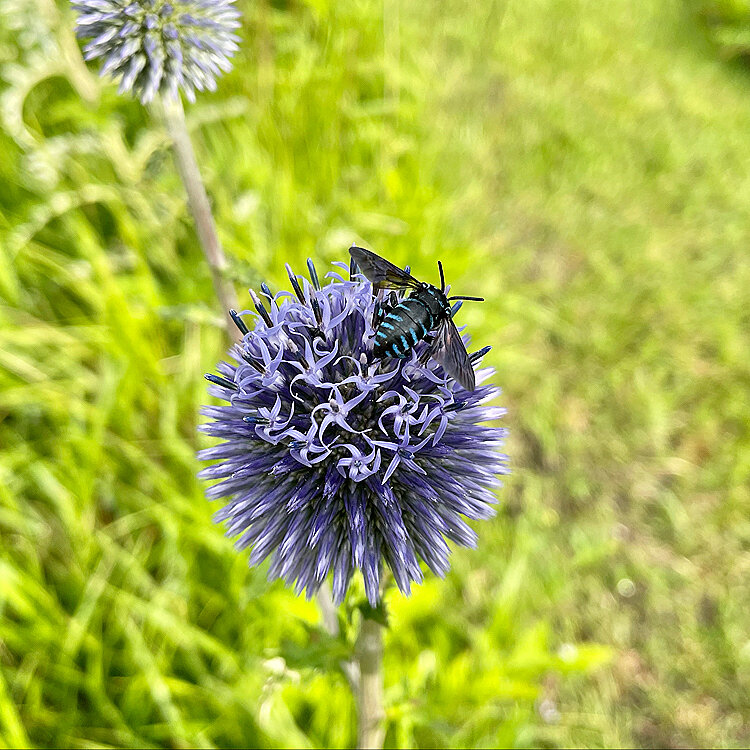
point(438, 295)
point(434, 298)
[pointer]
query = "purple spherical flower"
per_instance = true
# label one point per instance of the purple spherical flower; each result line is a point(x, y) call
point(333, 460)
point(159, 46)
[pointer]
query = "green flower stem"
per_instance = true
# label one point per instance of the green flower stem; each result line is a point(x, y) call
point(200, 208)
point(364, 672)
point(369, 656)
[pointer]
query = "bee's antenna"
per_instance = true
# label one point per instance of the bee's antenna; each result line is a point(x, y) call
point(471, 299)
point(442, 277)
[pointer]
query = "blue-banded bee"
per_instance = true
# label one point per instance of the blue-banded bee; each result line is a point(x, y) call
point(401, 325)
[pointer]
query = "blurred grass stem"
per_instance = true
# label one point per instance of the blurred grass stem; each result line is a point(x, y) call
point(370, 712)
point(328, 609)
point(331, 624)
point(187, 164)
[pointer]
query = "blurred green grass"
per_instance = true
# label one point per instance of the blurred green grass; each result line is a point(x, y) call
point(582, 165)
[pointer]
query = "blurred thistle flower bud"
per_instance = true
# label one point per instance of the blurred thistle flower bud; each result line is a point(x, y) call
point(333, 460)
point(157, 46)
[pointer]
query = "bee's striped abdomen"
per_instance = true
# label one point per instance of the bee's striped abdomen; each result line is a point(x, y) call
point(403, 327)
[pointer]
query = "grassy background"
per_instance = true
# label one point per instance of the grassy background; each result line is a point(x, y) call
point(584, 165)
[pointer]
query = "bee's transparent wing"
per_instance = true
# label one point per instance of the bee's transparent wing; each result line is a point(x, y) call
point(382, 273)
point(448, 349)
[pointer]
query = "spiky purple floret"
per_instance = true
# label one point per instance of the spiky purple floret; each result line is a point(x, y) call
point(333, 460)
point(159, 46)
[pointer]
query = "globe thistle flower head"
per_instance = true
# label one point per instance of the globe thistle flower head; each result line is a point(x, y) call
point(333, 460)
point(159, 46)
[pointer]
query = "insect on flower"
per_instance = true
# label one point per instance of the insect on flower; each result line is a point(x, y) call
point(334, 459)
point(402, 324)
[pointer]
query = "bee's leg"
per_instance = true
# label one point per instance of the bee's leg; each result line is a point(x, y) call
point(378, 314)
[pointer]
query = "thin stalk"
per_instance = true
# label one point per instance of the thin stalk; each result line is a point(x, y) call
point(331, 624)
point(328, 609)
point(371, 714)
point(200, 208)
